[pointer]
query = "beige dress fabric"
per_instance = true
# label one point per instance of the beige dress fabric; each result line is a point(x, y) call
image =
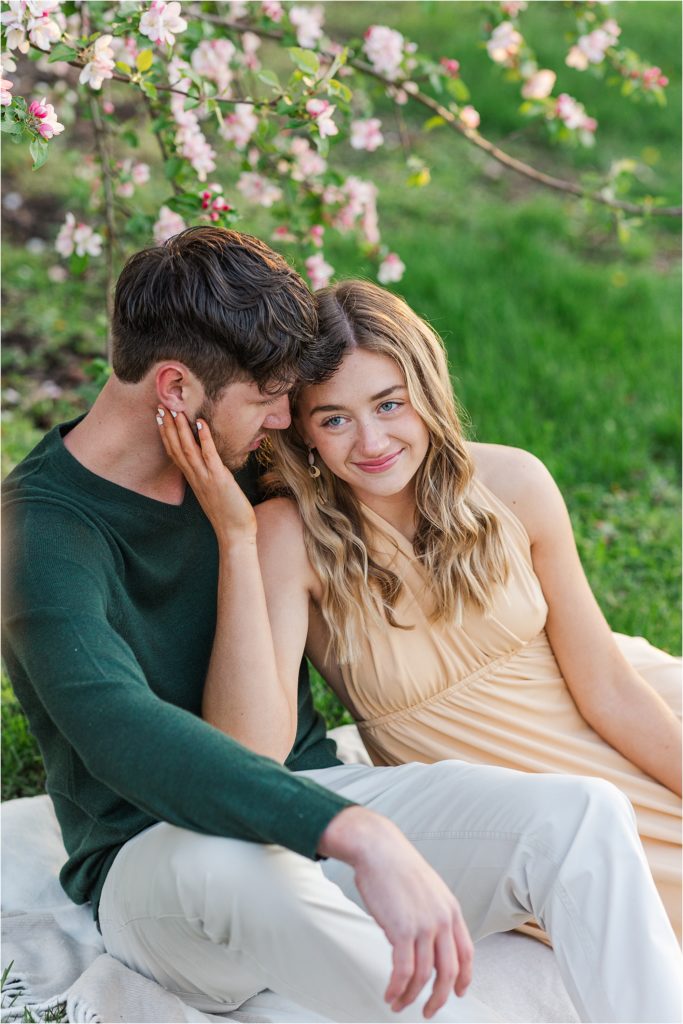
point(491, 692)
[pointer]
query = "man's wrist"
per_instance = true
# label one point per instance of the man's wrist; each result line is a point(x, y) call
point(353, 834)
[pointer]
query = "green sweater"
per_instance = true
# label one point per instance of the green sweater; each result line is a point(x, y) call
point(109, 612)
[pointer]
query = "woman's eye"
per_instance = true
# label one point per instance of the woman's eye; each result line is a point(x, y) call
point(389, 406)
point(333, 421)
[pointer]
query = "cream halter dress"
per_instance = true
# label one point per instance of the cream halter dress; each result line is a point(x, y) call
point(490, 690)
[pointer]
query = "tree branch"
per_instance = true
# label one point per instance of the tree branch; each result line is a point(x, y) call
point(470, 135)
point(101, 142)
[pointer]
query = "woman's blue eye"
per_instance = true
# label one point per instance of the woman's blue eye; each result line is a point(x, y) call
point(389, 406)
point(333, 421)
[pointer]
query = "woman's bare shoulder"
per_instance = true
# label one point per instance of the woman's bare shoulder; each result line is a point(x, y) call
point(518, 478)
point(280, 539)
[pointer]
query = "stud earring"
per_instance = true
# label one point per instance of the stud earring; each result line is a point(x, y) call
point(313, 470)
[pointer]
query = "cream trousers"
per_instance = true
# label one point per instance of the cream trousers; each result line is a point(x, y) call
point(216, 920)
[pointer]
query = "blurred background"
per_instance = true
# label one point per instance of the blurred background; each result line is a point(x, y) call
point(562, 327)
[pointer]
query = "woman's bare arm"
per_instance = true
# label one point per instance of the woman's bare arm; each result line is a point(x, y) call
point(613, 698)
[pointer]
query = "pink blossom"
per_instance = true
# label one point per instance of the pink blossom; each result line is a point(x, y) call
point(45, 24)
point(212, 59)
point(316, 235)
point(591, 48)
point(360, 198)
point(653, 76)
point(257, 189)
point(504, 44)
point(108, 107)
point(238, 9)
point(168, 224)
point(250, 44)
point(5, 92)
point(162, 22)
point(384, 49)
point(574, 116)
point(307, 161)
point(273, 9)
point(539, 85)
point(391, 269)
point(189, 138)
point(101, 64)
point(513, 7)
point(469, 117)
point(283, 234)
point(48, 124)
point(240, 125)
point(308, 24)
point(140, 173)
point(322, 111)
point(78, 238)
point(576, 58)
point(367, 134)
point(13, 20)
point(450, 66)
point(319, 272)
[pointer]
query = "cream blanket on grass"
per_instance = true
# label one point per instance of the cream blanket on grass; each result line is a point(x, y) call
point(57, 956)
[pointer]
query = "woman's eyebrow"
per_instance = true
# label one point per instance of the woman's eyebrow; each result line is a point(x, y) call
point(373, 398)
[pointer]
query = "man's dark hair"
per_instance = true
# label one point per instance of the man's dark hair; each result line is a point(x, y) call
point(223, 303)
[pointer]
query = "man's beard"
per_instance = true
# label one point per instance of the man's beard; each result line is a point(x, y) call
point(228, 456)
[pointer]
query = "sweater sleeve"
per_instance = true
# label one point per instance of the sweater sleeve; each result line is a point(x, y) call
point(159, 757)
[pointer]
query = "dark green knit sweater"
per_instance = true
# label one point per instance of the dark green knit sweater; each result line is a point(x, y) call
point(109, 610)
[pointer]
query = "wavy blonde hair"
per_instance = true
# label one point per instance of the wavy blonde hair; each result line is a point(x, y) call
point(457, 540)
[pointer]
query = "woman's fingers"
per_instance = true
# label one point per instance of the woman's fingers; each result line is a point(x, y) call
point(179, 442)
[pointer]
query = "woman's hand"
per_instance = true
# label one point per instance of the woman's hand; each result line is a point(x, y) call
point(225, 504)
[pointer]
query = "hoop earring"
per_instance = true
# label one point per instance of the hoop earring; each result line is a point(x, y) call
point(313, 470)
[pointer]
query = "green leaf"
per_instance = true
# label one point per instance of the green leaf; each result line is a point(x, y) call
point(458, 90)
point(433, 122)
point(130, 138)
point(187, 203)
point(38, 150)
point(125, 68)
point(77, 264)
point(11, 127)
point(61, 52)
point(269, 77)
point(172, 167)
point(144, 60)
point(338, 88)
point(149, 89)
point(190, 103)
point(305, 60)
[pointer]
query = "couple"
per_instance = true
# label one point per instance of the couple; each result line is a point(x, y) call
point(157, 653)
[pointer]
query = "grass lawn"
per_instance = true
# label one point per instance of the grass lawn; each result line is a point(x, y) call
point(561, 340)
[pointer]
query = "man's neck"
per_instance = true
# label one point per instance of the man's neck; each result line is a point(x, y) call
point(119, 441)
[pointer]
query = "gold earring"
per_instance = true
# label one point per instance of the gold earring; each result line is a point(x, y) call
point(313, 470)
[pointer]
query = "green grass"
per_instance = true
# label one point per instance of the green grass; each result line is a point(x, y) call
point(561, 340)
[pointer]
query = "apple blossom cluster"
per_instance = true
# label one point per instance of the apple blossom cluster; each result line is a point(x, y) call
point(132, 173)
point(77, 237)
point(308, 22)
point(45, 118)
point(27, 23)
point(367, 134)
point(100, 65)
point(162, 22)
point(591, 48)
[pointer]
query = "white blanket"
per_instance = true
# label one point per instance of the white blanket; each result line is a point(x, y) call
point(57, 955)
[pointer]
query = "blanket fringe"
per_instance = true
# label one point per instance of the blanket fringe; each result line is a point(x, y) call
point(78, 1011)
point(16, 1004)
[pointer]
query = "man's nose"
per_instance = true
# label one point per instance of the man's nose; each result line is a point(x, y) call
point(279, 415)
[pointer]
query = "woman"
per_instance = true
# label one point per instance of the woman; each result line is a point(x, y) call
point(435, 584)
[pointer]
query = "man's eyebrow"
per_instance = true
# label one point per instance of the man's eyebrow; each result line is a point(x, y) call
point(373, 398)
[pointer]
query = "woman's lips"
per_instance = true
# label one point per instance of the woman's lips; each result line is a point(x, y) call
point(379, 465)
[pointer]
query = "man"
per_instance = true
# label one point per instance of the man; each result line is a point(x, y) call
point(202, 857)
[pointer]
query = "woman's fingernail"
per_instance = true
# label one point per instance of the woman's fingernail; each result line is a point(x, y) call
point(199, 425)
point(162, 412)
point(173, 414)
point(160, 421)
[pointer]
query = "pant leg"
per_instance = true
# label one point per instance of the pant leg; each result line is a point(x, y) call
point(560, 848)
point(216, 920)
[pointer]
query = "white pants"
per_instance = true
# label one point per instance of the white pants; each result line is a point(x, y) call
point(216, 920)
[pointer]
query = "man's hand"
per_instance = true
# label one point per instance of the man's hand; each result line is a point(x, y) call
point(411, 903)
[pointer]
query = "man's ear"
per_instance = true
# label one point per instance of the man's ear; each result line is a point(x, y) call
point(177, 388)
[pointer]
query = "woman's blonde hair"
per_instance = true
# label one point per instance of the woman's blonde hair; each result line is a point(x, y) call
point(456, 539)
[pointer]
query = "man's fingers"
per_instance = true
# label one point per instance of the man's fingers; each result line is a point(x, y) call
point(447, 967)
point(422, 972)
point(465, 952)
point(404, 965)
